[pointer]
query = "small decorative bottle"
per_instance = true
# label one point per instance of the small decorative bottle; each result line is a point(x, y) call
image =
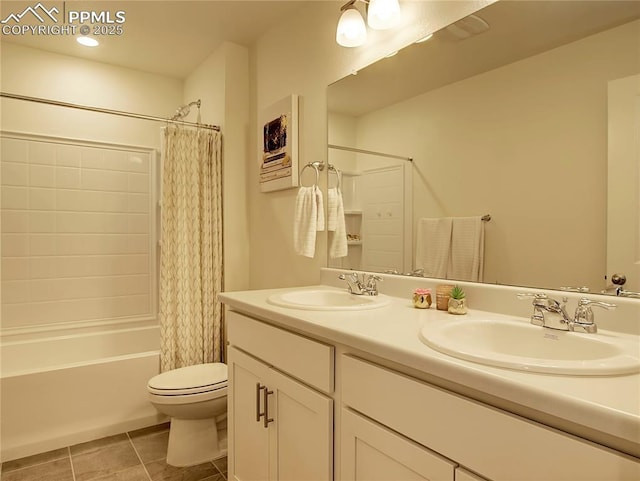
point(457, 301)
point(422, 298)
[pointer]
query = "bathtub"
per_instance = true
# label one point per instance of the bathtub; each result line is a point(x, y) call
point(63, 387)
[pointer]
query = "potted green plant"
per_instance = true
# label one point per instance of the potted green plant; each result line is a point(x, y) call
point(457, 301)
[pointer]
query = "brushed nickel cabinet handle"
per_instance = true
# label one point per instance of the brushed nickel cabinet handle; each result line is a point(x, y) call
point(265, 397)
point(258, 413)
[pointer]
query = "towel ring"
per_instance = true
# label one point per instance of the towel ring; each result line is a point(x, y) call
point(317, 166)
point(336, 172)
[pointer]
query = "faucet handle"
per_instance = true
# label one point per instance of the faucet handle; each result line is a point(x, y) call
point(371, 283)
point(351, 276)
point(583, 289)
point(588, 302)
point(528, 295)
point(584, 314)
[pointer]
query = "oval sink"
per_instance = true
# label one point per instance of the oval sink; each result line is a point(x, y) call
point(523, 346)
point(326, 300)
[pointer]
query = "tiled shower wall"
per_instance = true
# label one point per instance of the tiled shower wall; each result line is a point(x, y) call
point(77, 231)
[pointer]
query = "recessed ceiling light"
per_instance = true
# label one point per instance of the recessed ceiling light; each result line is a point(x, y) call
point(87, 41)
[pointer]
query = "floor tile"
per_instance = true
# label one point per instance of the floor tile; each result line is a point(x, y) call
point(221, 464)
point(216, 477)
point(35, 459)
point(151, 447)
point(136, 473)
point(98, 444)
point(104, 461)
point(59, 470)
point(161, 471)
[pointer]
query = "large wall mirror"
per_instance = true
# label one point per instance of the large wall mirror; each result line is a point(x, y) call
point(527, 112)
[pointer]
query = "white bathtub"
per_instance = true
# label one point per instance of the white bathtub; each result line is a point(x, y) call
point(59, 388)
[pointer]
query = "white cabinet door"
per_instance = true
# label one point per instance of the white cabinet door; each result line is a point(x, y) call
point(248, 438)
point(370, 452)
point(295, 443)
point(301, 431)
point(464, 475)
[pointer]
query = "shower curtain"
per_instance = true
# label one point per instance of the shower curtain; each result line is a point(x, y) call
point(191, 248)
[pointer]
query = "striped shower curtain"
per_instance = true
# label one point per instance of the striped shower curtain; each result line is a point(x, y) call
point(191, 248)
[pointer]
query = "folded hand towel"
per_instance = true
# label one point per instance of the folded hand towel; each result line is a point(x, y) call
point(305, 223)
point(335, 219)
point(433, 244)
point(320, 208)
point(466, 262)
point(332, 208)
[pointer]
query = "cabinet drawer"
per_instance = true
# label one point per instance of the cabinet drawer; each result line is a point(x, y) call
point(497, 444)
point(370, 451)
point(307, 360)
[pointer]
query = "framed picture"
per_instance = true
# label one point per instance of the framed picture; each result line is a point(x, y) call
point(278, 154)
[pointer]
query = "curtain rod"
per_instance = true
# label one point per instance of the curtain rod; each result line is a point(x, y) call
point(371, 152)
point(106, 111)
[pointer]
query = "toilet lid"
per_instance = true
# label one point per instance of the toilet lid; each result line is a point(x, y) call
point(190, 380)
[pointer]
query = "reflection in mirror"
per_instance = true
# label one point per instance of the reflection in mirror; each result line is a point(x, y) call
point(524, 120)
point(376, 194)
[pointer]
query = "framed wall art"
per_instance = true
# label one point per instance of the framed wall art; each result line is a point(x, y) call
point(278, 154)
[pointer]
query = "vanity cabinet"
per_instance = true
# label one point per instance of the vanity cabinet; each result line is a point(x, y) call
point(280, 427)
point(388, 425)
point(475, 436)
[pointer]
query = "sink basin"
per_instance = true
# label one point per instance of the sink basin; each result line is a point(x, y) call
point(523, 346)
point(318, 299)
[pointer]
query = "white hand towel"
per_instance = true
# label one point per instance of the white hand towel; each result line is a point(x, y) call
point(320, 208)
point(332, 208)
point(305, 223)
point(338, 246)
point(466, 262)
point(433, 245)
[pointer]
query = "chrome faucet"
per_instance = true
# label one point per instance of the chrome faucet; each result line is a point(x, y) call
point(550, 313)
point(364, 284)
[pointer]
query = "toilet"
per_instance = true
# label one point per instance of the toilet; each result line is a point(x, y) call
point(195, 397)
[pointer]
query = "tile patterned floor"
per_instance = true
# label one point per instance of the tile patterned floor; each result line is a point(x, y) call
point(135, 456)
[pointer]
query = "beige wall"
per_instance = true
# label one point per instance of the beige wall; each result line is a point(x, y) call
point(302, 57)
point(489, 144)
point(222, 83)
point(37, 73)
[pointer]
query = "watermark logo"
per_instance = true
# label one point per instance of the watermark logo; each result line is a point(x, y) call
point(38, 11)
point(41, 20)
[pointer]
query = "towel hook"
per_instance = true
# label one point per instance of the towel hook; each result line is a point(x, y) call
point(317, 166)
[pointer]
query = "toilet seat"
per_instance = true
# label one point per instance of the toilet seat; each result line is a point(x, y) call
point(190, 380)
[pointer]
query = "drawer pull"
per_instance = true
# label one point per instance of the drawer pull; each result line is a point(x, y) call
point(258, 413)
point(265, 398)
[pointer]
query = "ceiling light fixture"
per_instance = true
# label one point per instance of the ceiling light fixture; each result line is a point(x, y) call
point(351, 31)
point(381, 15)
point(87, 41)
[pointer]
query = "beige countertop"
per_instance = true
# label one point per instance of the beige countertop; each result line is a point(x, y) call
point(604, 409)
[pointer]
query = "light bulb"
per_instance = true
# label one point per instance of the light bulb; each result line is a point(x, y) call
point(383, 14)
point(351, 31)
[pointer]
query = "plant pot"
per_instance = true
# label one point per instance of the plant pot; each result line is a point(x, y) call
point(422, 301)
point(457, 306)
